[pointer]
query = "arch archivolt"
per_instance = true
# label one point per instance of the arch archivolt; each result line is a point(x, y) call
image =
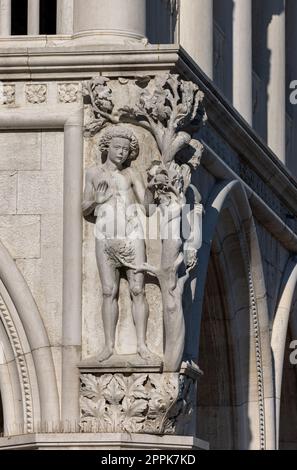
point(27, 375)
point(22, 355)
point(230, 233)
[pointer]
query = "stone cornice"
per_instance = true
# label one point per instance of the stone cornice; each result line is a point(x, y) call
point(40, 63)
point(82, 62)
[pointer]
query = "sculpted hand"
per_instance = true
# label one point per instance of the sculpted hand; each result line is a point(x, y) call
point(102, 194)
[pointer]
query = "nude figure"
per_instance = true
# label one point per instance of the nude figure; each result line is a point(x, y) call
point(110, 189)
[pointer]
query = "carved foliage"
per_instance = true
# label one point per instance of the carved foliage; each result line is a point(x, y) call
point(167, 106)
point(171, 108)
point(100, 96)
point(138, 403)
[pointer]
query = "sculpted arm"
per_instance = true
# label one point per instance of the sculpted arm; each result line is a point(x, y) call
point(144, 195)
point(89, 203)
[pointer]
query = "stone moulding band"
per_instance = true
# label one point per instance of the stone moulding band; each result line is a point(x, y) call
point(21, 365)
point(108, 32)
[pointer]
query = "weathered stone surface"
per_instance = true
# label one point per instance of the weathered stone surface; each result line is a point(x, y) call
point(21, 235)
point(20, 150)
point(45, 276)
point(52, 151)
point(39, 192)
point(8, 192)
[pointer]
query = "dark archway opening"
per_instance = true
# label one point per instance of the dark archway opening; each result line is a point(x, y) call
point(48, 16)
point(288, 407)
point(225, 393)
point(215, 416)
point(19, 17)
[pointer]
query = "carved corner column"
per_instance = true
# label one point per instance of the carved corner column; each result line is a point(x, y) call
point(5, 17)
point(110, 21)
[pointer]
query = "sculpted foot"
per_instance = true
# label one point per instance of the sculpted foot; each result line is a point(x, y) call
point(105, 354)
point(144, 352)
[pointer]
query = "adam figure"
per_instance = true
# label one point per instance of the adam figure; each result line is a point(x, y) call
point(109, 190)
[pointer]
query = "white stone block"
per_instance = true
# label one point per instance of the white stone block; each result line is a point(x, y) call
point(40, 192)
point(20, 150)
point(52, 150)
point(21, 235)
point(8, 192)
point(45, 276)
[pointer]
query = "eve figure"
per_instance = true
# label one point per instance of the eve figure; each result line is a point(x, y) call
point(112, 192)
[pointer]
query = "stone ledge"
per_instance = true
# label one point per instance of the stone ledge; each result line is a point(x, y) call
point(129, 363)
point(100, 442)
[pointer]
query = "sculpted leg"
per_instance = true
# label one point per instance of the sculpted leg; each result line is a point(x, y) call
point(110, 279)
point(140, 312)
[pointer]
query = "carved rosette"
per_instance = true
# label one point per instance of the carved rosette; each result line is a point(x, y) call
point(136, 403)
point(36, 93)
point(68, 92)
point(7, 94)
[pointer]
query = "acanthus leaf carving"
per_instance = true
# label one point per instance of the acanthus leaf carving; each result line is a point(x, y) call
point(163, 406)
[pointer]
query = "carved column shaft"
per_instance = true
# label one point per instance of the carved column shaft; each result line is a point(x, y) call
point(196, 32)
point(64, 16)
point(115, 20)
point(72, 271)
point(5, 17)
point(276, 92)
point(33, 17)
point(292, 76)
point(242, 58)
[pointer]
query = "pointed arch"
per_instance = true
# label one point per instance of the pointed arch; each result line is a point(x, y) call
point(26, 367)
point(230, 198)
point(280, 329)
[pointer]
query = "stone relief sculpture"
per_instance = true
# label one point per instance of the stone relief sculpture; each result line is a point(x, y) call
point(121, 200)
point(111, 191)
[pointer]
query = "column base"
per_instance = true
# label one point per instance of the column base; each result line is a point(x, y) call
point(103, 441)
point(95, 37)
